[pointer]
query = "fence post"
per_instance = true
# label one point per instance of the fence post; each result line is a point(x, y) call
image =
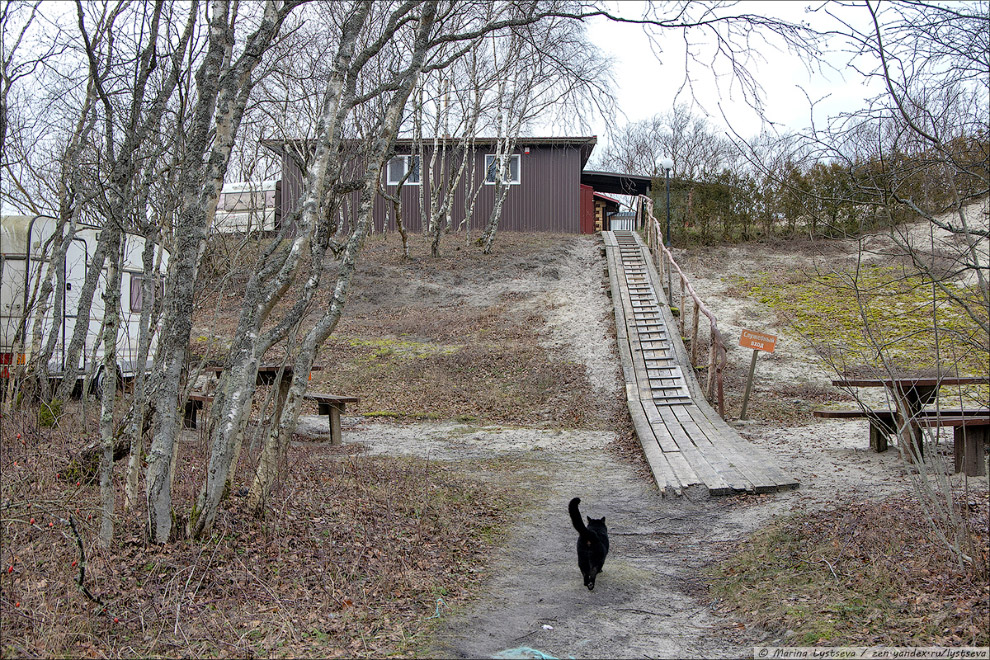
point(661, 265)
point(721, 395)
point(694, 335)
point(680, 308)
point(709, 390)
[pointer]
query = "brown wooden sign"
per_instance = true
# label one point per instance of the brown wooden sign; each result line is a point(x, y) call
point(758, 341)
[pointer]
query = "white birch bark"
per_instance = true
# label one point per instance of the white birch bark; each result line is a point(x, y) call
point(277, 440)
point(267, 285)
point(223, 88)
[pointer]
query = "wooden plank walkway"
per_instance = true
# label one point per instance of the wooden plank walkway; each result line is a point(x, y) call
point(688, 446)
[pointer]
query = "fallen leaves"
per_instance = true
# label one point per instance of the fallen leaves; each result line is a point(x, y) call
point(348, 563)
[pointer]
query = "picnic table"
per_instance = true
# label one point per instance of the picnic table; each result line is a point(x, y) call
point(911, 395)
point(268, 375)
point(281, 375)
point(916, 391)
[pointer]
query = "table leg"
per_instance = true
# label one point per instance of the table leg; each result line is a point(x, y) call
point(189, 419)
point(878, 436)
point(967, 449)
point(333, 411)
point(910, 402)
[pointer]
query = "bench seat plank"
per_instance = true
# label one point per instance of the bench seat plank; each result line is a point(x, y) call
point(331, 405)
point(971, 431)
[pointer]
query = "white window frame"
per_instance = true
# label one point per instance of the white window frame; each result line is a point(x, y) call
point(405, 168)
point(489, 158)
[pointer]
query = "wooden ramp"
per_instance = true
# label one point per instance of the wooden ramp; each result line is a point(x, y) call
point(689, 447)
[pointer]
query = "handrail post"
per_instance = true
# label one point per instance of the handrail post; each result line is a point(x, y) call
point(721, 395)
point(712, 352)
point(694, 335)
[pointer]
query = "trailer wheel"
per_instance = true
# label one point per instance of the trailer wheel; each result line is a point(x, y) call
point(100, 381)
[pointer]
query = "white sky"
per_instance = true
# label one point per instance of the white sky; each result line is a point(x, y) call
point(646, 83)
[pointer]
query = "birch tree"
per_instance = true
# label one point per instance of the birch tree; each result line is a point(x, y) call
point(409, 32)
point(224, 81)
point(564, 79)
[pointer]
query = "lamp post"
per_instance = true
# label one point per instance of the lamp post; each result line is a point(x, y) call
point(667, 164)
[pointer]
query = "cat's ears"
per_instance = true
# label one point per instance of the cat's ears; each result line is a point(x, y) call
point(591, 520)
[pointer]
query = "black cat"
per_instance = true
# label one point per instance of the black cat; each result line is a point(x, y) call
point(592, 545)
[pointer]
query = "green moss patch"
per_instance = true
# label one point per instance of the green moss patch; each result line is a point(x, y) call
point(880, 318)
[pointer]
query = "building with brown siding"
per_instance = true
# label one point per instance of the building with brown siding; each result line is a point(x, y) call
point(544, 181)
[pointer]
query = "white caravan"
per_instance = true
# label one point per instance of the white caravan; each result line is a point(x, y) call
point(249, 206)
point(25, 256)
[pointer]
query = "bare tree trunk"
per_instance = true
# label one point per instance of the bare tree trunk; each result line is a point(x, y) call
point(271, 278)
point(277, 441)
point(501, 192)
point(224, 90)
point(136, 417)
point(396, 202)
point(109, 392)
point(109, 236)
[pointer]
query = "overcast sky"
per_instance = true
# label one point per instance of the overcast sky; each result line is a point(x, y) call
point(646, 83)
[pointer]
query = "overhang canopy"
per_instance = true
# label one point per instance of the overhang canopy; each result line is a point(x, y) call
point(616, 183)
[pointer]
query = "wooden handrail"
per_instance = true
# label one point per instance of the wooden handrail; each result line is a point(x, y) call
point(663, 259)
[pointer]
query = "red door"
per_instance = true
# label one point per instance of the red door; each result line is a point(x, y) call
point(587, 209)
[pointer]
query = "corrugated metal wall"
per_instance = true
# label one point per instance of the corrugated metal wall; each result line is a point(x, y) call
point(546, 199)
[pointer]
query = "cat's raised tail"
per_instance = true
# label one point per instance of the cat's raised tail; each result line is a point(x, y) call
point(579, 525)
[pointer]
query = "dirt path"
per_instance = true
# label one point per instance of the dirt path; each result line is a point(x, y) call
point(649, 601)
point(644, 602)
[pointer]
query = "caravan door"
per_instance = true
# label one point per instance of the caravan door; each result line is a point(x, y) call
point(76, 261)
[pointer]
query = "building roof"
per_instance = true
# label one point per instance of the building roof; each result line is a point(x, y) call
point(617, 183)
point(585, 143)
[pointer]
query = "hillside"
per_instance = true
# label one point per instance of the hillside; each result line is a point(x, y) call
point(490, 395)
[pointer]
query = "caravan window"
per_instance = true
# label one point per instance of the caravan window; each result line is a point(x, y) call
point(137, 295)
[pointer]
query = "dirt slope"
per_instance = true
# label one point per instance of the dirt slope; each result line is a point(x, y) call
point(538, 312)
point(649, 602)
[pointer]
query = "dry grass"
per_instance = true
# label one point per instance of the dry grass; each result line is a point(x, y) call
point(861, 574)
point(423, 339)
point(355, 557)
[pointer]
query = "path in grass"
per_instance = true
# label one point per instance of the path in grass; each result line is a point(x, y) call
point(650, 599)
point(648, 602)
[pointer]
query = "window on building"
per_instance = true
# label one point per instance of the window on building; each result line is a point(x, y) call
point(511, 175)
point(397, 168)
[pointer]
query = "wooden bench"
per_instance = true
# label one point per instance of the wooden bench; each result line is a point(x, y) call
point(971, 431)
point(331, 405)
point(194, 404)
point(883, 423)
point(970, 434)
